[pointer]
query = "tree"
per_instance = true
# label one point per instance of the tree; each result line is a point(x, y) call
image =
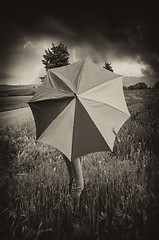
point(125, 87)
point(57, 56)
point(156, 84)
point(108, 66)
point(140, 85)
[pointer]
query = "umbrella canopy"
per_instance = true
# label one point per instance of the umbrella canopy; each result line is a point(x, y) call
point(79, 108)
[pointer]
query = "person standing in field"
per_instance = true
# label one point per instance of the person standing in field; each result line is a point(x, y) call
point(75, 173)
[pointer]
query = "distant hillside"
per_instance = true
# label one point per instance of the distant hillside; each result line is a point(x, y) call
point(13, 87)
point(127, 81)
point(28, 90)
point(17, 90)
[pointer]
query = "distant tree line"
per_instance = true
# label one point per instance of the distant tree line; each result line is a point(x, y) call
point(108, 66)
point(140, 85)
point(58, 56)
point(156, 84)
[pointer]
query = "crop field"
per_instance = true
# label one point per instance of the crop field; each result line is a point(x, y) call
point(120, 199)
point(15, 96)
point(13, 102)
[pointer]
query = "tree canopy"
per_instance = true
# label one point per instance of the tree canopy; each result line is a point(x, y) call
point(108, 66)
point(56, 56)
point(140, 85)
point(156, 84)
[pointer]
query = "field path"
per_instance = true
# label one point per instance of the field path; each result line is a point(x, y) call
point(14, 116)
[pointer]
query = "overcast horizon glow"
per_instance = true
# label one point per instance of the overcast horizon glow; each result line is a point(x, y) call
point(28, 66)
point(123, 33)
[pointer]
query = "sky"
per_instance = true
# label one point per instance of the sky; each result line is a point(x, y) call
point(123, 33)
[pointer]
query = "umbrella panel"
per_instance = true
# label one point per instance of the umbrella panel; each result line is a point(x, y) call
point(106, 118)
point(86, 136)
point(46, 111)
point(90, 130)
point(59, 133)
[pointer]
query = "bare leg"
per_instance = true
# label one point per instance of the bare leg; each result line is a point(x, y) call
point(77, 169)
point(75, 172)
point(70, 171)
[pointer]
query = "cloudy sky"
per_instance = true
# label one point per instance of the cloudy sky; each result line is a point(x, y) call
point(125, 33)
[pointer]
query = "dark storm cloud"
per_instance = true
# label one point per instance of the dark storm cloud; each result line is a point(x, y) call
point(5, 76)
point(122, 28)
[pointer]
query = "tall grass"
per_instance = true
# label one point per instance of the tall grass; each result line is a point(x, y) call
point(121, 195)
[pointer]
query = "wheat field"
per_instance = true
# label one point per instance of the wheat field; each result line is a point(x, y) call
point(120, 199)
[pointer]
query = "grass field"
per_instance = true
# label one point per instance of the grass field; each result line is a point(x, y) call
point(15, 96)
point(121, 196)
point(17, 90)
point(13, 102)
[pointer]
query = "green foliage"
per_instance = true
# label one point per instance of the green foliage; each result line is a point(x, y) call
point(13, 102)
point(156, 84)
point(108, 66)
point(140, 85)
point(120, 199)
point(57, 56)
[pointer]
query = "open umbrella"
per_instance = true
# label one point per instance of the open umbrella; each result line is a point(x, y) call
point(79, 108)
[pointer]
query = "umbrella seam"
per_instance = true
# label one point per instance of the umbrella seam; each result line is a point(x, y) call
point(93, 123)
point(80, 75)
point(50, 79)
point(71, 79)
point(73, 128)
point(40, 87)
point(113, 77)
point(105, 104)
point(97, 127)
point(45, 99)
point(92, 89)
point(39, 138)
point(62, 80)
point(107, 142)
point(52, 120)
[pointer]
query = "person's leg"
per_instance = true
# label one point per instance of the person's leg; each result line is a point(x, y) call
point(70, 171)
point(77, 170)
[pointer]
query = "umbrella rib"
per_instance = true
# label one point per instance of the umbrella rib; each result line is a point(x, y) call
point(106, 140)
point(55, 117)
point(45, 88)
point(80, 76)
point(50, 79)
point(71, 79)
point(103, 103)
point(60, 79)
point(97, 74)
point(100, 85)
point(57, 90)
